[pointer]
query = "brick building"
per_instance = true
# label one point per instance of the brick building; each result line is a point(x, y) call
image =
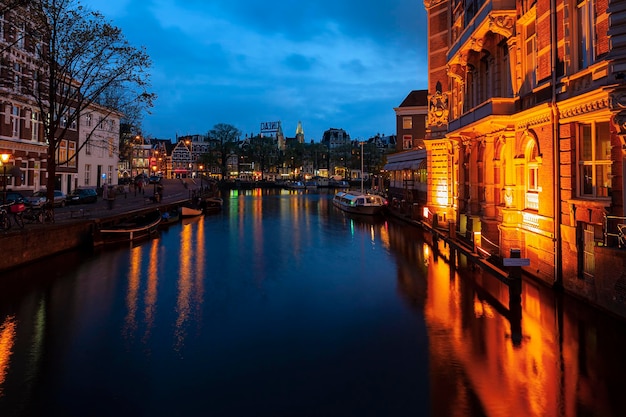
point(526, 135)
point(21, 128)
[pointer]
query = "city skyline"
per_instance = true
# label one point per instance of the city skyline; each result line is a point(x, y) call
point(326, 65)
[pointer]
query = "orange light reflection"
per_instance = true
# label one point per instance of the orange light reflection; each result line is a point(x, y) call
point(7, 341)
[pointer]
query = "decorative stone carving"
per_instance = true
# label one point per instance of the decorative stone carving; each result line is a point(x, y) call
point(619, 124)
point(583, 108)
point(438, 109)
point(457, 71)
point(503, 25)
point(618, 100)
point(476, 44)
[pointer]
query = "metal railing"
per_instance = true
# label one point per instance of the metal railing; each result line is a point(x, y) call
point(614, 231)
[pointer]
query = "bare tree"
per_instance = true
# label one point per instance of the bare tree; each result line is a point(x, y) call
point(84, 60)
point(226, 138)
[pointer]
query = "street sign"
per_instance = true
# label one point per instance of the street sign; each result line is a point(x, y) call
point(516, 262)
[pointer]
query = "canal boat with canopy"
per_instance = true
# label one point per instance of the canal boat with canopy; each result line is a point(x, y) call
point(359, 202)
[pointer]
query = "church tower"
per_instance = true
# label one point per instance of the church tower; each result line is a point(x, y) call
point(300, 133)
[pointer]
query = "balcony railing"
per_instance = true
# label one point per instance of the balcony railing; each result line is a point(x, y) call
point(532, 201)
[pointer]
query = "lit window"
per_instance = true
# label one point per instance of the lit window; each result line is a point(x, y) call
point(533, 170)
point(533, 162)
point(35, 123)
point(594, 160)
point(71, 154)
point(407, 142)
point(407, 122)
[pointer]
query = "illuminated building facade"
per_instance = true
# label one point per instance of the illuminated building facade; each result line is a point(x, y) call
point(526, 134)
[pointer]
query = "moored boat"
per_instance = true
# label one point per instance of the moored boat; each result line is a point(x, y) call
point(333, 183)
point(130, 229)
point(187, 211)
point(212, 204)
point(295, 185)
point(170, 217)
point(322, 182)
point(359, 203)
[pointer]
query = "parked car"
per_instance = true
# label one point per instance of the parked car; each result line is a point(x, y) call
point(14, 197)
point(39, 198)
point(82, 195)
point(155, 179)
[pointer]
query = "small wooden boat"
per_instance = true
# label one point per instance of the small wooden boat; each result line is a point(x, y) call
point(187, 211)
point(136, 227)
point(359, 203)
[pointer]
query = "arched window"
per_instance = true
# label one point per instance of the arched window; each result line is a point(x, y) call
point(499, 171)
point(533, 162)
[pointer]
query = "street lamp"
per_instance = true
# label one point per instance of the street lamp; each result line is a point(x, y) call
point(201, 178)
point(5, 158)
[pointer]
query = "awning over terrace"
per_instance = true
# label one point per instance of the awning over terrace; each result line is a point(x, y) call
point(412, 165)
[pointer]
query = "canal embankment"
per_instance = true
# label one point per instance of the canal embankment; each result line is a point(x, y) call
point(74, 226)
point(448, 237)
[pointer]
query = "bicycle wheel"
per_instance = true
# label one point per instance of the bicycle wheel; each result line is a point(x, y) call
point(50, 215)
point(5, 222)
point(30, 215)
point(19, 220)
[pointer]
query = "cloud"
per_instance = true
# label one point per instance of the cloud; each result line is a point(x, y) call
point(327, 63)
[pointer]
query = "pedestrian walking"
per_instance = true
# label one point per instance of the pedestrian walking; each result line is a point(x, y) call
point(108, 194)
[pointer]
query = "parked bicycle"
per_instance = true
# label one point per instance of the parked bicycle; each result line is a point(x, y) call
point(14, 210)
point(43, 213)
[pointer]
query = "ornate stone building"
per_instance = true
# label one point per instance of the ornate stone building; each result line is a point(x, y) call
point(526, 134)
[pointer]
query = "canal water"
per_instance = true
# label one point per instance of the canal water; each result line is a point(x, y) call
point(282, 305)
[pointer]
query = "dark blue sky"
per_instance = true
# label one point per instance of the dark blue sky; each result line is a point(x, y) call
point(328, 63)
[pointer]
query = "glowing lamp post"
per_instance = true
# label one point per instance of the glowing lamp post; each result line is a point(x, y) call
point(201, 177)
point(5, 158)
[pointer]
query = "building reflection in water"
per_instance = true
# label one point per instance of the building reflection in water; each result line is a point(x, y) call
point(479, 368)
point(151, 293)
point(190, 280)
point(132, 292)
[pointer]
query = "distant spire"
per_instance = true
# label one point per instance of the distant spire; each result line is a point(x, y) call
point(300, 133)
